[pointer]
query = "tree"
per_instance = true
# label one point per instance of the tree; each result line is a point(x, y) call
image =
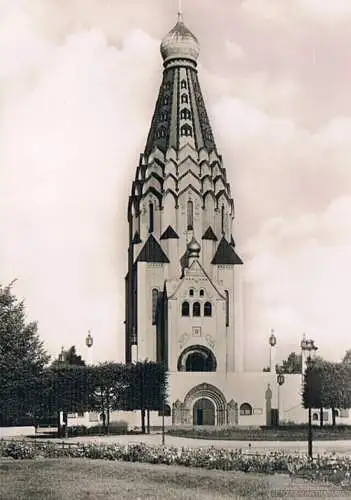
point(69, 357)
point(327, 385)
point(347, 358)
point(293, 364)
point(22, 360)
point(148, 388)
point(108, 383)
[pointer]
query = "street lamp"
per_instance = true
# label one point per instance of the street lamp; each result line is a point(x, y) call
point(308, 345)
point(280, 380)
point(272, 342)
point(89, 341)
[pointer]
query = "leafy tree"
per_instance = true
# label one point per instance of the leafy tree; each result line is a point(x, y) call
point(293, 363)
point(69, 357)
point(327, 385)
point(108, 383)
point(347, 358)
point(22, 360)
point(148, 388)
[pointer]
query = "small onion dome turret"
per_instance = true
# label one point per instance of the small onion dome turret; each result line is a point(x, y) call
point(194, 248)
point(180, 43)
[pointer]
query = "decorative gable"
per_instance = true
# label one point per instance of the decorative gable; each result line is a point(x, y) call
point(194, 274)
point(225, 254)
point(152, 252)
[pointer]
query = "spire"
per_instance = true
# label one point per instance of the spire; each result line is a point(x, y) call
point(180, 11)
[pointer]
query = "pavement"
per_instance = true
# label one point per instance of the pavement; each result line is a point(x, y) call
point(319, 447)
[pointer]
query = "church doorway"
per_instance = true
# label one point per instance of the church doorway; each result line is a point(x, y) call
point(204, 412)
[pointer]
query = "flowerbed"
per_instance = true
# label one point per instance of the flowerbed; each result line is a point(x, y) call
point(324, 467)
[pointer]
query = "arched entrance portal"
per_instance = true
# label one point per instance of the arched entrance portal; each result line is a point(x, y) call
point(204, 412)
point(204, 404)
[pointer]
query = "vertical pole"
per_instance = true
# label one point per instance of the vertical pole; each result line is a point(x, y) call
point(278, 417)
point(163, 422)
point(270, 358)
point(310, 455)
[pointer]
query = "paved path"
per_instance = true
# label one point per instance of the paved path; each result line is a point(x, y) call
point(339, 447)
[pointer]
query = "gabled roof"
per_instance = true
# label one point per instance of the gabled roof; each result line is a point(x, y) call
point(136, 238)
point(194, 271)
point(152, 252)
point(209, 234)
point(225, 254)
point(169, 233)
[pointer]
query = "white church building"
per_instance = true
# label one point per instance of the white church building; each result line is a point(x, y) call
point(184, 304)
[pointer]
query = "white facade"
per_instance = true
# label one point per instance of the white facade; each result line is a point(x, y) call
point(184, 303)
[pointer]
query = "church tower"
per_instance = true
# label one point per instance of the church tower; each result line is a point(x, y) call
point(183, 286)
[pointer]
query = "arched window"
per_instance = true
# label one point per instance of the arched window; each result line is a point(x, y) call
point(151, 218)
point(154, 305)
point(183, 84)
point(186, 131)
point(226, 308)
point(190, 215)
point(336, 413)
point(166, 99)
point(196, 309)
point(184, 99)
point(185, 309)
point(208, 309)
point(222, 219)
point(185, 114)
point(245, 409)
point(202, 292)
point(161, 132)
point(191, 292)
point(197, 358)
point(315, 417)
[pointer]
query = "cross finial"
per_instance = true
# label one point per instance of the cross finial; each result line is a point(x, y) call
point(180, 11)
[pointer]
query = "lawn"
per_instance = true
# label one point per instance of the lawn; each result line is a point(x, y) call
point(78, 479)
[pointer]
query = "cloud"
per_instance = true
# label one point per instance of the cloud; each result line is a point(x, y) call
point(68, 158)
point(283, 11)
point(234, 50)
point(78, 84)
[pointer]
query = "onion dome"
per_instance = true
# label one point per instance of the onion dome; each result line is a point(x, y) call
point(193, 248)
point(180, 43)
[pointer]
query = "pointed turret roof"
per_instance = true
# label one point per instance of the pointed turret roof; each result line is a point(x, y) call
point(209, 234)
point(152, 252)
point(136, 238)
point(226, 254)
point(169, 233)
point(180, 115)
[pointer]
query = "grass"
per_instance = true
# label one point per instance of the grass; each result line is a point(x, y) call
point(65, 479)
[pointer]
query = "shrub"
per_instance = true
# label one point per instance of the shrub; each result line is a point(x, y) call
point(115, 429)
point(77, 430)
point(326, 468)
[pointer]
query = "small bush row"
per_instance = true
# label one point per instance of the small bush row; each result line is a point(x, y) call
point(326, 468)
point(115, 428)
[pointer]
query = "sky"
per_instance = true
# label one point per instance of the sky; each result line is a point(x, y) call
point(78, 85)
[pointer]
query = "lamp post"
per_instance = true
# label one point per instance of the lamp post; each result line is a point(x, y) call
point(89, 341)
point(280, 381)
point(308, 345)
point(61, 360)
point(272, 342)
